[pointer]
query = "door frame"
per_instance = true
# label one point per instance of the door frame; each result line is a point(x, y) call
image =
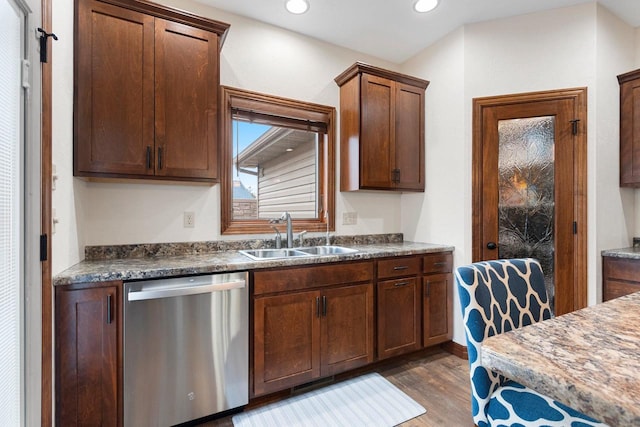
point(579, 98)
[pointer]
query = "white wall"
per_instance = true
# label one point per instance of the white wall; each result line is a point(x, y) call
point(256, 57)
point(442, 213)
point(613, 221)
point(580, 46)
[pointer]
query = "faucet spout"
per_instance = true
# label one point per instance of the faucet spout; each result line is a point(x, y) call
point(286, 217)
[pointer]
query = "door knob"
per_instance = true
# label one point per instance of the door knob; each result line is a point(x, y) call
point(491, 245)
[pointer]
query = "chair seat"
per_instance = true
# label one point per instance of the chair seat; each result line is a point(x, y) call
point(513, 404)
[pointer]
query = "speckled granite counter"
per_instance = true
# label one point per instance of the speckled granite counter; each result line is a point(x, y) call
point(632, 253)
point(588, 359)
point(159, 265)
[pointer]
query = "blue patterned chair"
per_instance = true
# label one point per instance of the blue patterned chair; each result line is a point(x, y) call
point(498, 296)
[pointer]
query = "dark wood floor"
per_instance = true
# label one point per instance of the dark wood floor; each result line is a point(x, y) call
point(438, 381)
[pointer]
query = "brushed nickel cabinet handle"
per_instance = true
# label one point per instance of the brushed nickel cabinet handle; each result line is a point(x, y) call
point(401, 284)
point(400, 267)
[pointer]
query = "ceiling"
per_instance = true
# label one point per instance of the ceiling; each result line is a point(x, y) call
point(390, 29)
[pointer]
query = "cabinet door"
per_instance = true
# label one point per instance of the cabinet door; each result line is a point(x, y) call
point(286, 341)
point(398, 316)
point(87, 357)
point(409, 138)
point(630, 129)
point(186, 101)
point(377, 131)
point(347, 328)
point(437, 306)
point(113, 123)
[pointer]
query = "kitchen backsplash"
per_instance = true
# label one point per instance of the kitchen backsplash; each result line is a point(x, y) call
point(145, 250)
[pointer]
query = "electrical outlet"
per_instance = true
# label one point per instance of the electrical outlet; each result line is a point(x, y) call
point(189, 219)
point(349, 218)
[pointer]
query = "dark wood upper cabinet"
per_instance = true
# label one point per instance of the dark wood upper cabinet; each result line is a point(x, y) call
point(146, 92)
point(630, 129)
point(381, 129)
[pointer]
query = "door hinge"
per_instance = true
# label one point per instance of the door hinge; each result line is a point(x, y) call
point(574, 124)
point(43, 43)
point(575, 227)
point(43, 247)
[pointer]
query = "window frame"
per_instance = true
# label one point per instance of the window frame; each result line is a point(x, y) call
point(232, 99)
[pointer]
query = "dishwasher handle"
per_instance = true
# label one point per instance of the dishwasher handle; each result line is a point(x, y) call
point(150, 294)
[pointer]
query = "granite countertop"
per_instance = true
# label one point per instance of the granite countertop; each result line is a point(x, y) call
point(588, 359)
point(632, 253)
point(162, 265)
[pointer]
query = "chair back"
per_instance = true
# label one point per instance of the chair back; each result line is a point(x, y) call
point(497, 296)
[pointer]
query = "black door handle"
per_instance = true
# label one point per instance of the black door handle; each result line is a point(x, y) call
point(491, 245)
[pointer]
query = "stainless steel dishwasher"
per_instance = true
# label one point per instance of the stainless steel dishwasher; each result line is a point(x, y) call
point(186, 348)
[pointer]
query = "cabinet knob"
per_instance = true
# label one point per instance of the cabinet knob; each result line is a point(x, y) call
point(491, 245)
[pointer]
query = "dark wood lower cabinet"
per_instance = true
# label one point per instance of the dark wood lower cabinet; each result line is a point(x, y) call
point(302, 336)
point(437, 307)
point(286, 340)
point(620, 276)
point(398, 316)
point(88, 355)
point(346, 328)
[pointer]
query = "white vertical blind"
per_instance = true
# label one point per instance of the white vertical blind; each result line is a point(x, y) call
point(11, 134)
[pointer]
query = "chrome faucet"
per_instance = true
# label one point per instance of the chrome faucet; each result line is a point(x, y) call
point(286, 217)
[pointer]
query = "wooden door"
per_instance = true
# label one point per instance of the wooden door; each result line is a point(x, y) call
point(398, 316)
point(286, 341)
point(113, 123)
point(186, 101)
point(437, 305)
point(408, 147)
point(347, 328)
point(87, 354)
point(529, 192)
point(377, 132)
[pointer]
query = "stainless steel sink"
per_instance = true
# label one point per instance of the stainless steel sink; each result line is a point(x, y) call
point(258, 254)
point(327, 250)
point(261, 254)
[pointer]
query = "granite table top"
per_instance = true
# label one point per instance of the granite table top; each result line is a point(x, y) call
point(103, 270)
point(588, 359)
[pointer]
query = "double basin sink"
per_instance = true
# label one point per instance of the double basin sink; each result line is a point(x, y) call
point(261, 254)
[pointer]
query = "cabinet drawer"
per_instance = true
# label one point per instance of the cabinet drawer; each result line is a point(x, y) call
point(616, 288)
point(399, 267)
point(290, 279)
point(621, 268)
point(438, 263)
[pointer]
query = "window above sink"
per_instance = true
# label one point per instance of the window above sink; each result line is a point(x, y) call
point(277, 156)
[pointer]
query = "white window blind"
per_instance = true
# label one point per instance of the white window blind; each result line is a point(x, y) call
point(11, 134)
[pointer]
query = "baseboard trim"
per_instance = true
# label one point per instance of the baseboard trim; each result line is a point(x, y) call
point(455, 349)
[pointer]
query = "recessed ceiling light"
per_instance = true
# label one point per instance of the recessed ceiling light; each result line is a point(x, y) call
point(297, 6)
point(425, 5)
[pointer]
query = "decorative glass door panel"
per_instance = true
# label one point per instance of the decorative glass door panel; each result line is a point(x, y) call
point(526, 199)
